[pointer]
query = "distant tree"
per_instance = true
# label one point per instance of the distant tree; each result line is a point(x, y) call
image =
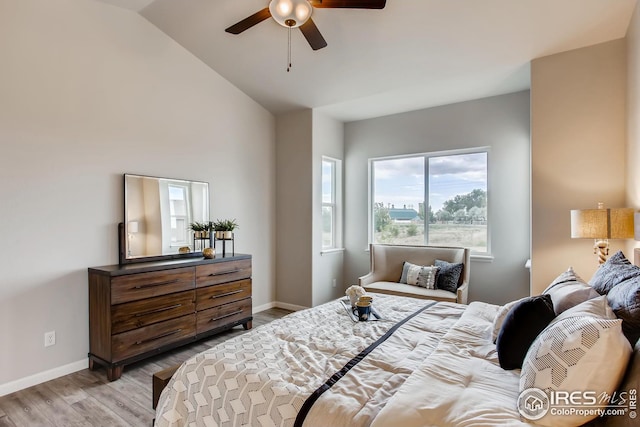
point(381, 217)
point(476, 198)
point(412, 230)
point(432, 216)
point(460, 215)
point(478, 214)
point(443, 215)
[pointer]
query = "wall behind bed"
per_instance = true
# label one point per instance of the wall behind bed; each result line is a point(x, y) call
point(501, 123)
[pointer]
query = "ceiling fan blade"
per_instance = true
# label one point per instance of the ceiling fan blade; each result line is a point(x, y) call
point(349, 4)
point(249, 22)
point(312, 34)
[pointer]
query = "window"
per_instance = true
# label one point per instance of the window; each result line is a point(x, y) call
point(455, 186)
point(331, 195)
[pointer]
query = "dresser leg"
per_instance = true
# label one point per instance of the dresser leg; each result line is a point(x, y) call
point(92, 365)
point(114, 373)
point(247, 325)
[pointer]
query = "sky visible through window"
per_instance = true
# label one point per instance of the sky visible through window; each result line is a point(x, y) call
point(400, 182)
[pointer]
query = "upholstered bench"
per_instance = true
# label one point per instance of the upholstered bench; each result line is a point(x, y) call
point(386, 269)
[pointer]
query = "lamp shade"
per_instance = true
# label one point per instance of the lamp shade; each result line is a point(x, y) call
point(290, 13)
point(602, 223)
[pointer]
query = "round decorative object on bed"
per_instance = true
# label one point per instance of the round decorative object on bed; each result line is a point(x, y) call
point(575, 354)
point(520, 328)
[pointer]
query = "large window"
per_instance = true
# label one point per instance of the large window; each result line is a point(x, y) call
point(454, 186)
point(179, 215)
point(331, 185)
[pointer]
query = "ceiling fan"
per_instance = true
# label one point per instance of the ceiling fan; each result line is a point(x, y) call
point(297, 13)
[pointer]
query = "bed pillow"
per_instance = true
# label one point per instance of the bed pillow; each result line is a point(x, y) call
point(448, 275)
point(419, 275)
point(567, 276)
point(615, 270)
point(596, 307)
point(520, 328)
point(624, 299)
point(576, 353)
point(569, 290)
point(499, 319)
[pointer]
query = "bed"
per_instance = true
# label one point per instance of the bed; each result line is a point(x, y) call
point(423, 363)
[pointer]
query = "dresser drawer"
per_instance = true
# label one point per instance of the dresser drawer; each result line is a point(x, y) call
point(222, 272)
point(152, 337)
point(223, 315)
point(133, 287)
point(225, 293)
point(137, 314)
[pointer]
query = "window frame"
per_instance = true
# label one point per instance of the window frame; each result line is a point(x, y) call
point(426, 156)
point(335, 204)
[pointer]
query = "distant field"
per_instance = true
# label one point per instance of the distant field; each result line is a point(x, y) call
point(473, 236)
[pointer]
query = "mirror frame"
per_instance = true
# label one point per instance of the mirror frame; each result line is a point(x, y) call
point(122, 232)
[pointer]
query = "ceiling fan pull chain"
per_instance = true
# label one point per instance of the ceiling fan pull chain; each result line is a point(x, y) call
point(289, 52)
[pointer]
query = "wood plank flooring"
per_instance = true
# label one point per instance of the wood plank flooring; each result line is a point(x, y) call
point(86, 398)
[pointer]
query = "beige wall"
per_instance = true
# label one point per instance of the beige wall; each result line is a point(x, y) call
point(577, 152)
point(633, 114)
point(501, 123)
point(88, 92)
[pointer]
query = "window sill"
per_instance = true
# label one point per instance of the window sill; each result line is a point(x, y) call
point(482, 258)
point(331, 251)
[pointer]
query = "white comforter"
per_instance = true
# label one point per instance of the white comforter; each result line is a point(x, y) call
point(438, 369)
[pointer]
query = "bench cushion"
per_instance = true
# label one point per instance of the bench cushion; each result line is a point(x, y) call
point(401, 289)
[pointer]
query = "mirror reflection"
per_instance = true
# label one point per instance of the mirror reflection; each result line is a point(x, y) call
point(157, 214)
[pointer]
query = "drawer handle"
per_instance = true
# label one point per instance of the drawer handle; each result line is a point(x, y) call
point(153, 285)
point(158, 310)
point(158, 337)
point(226, 315)
point(227, 294)
point(225, 272)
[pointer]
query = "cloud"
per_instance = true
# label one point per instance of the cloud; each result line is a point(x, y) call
point(394, 168)
point(469, 167)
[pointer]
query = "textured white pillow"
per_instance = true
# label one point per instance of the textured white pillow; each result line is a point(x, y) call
point(576, 354)
point(595, 307)
point(499, 319)
point(418, 275)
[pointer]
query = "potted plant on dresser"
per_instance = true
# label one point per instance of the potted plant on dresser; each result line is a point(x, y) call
point(224, 228)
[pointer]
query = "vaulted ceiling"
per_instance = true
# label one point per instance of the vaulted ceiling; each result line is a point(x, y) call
point(412, 54)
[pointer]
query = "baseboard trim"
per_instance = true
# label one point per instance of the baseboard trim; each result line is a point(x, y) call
point(278, 304)
point(42, 377)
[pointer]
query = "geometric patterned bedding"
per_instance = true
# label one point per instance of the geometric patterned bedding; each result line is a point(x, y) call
point(263, 378)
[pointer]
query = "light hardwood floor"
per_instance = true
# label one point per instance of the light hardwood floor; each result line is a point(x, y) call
point(87, 398)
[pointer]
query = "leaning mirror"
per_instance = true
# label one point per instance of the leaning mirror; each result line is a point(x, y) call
point(157, 215)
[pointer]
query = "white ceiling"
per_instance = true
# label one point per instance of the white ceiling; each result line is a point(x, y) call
point(412, 54)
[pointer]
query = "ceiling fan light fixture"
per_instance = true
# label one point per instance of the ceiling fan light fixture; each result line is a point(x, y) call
point(290, 13)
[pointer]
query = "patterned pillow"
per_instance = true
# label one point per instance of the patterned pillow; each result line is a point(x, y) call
point(615, 270)
point(575, 354)
point(448, 275)
point(419, 275)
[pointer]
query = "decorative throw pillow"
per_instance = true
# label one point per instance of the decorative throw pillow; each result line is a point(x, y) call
point(596, 307)
point(448, 275)
point(576, 354)
point(520, 328)
point(427, 277)
point(418, 275)
point(566, 276)
point(499, 319)
point(615, 270)
point(569, 290)
point(624, 299)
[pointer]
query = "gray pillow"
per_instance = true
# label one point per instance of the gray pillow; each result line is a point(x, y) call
point(448, 275)
point(616, 270)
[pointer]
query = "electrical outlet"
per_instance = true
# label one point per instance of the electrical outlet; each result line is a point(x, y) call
point(49, 338)
point(333, 284)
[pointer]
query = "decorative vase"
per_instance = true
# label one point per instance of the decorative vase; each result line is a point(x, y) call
point(227, 235)
point(208, 253)
point(219, 235)
point(184, 250)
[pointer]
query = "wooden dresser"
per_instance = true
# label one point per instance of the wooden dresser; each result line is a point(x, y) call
point(139, 310)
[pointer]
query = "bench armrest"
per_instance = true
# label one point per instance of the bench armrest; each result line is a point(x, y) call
point(462, 293)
